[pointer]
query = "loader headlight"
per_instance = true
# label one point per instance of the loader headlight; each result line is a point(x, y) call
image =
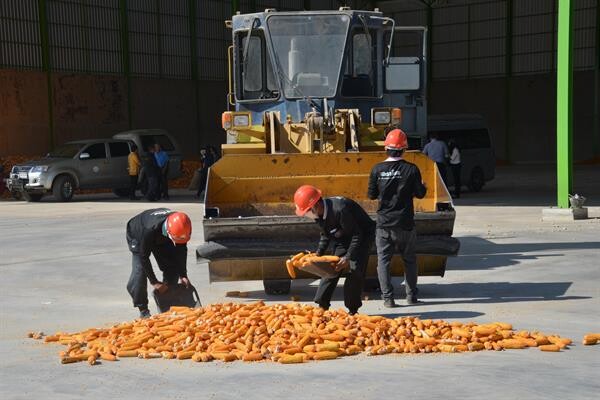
point(381, 117)
point(226, 120)
point(240, 120)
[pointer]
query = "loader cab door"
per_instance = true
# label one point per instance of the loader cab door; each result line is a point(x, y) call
point(405, 80)
point(254, 75)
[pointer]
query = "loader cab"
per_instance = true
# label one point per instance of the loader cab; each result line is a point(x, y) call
point(293, 62)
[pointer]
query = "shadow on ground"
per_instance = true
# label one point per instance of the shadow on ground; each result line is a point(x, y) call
point(450, 293)
point(477, 253)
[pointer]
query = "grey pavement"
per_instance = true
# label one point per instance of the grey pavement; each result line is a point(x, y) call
point(65, 266)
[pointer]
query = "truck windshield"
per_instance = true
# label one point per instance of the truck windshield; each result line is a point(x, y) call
point(65, 151)
point(308, 52)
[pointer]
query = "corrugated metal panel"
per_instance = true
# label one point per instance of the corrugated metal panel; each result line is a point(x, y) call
point(20, 45)
point(482, 24)
point(213, 38)
point(175, 39)
point(144, 40)
point(84, 36)
point(584, 22)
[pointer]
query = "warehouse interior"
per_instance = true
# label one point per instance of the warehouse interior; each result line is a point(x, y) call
point(78, 69)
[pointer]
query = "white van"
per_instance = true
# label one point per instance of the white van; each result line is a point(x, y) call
point(471, 135)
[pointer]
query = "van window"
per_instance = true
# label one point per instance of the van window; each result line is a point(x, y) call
point(467, 139)
point(96, 151)
point(118, 149)
point(163, 140)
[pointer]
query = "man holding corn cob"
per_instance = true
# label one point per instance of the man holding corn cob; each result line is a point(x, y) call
point(395, 182)
point(352, 231)
point(163, 233)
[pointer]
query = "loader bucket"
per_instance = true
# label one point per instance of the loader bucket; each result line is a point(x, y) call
point(250, 226)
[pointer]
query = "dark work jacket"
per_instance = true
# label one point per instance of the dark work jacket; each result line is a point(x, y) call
point(151, 168)
point(145, 233)
point(395, 184)
point(347, 224)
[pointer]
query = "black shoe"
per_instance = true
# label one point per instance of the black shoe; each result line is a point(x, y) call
point(144, 313)
point(412, 300)
point(389, 303)
point(353, 311)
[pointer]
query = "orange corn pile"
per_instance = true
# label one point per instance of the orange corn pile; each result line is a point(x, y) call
point(287, 333)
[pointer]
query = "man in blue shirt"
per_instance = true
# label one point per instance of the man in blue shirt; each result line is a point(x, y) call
point(162, 160)
point(437, 150)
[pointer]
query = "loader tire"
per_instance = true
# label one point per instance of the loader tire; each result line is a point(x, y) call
point(277, 286)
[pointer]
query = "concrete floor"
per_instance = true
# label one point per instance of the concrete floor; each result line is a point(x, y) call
point(64, 267)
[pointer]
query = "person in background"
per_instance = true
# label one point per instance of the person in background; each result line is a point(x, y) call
point(437, 150)
point(213, 152)
point(152, 173)
point(455, 166)
point(208, 159)
point(133, 160)
point(162, 161)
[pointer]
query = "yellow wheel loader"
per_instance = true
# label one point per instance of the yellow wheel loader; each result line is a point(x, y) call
point(311, 97)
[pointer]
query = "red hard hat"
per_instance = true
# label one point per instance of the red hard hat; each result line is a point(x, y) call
point(305, 198)
point(179, 227)
point(396, 140)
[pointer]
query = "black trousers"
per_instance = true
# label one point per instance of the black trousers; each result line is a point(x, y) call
point(152, 191)
point(355, 279)
point(442, 168)
point(164, 182)
point(203, 178)
point(137, 286)
point(133, 181)
point(389, 241)
point(456, 175)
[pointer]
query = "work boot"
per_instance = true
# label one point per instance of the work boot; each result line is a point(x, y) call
point(412, 300)
point(144, 313)
point(352, 311)
point(389, 303)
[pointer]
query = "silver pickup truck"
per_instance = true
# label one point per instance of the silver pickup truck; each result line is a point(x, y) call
point(88, 164)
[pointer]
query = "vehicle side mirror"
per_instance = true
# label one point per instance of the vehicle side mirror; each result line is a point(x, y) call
point(84, 156)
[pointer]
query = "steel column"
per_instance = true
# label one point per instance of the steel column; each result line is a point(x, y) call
point(46, 65)
point(194, 61)
point(508, 83)
point(429, 62)
point(125, 58)
point(564, 100)
point(596, 133)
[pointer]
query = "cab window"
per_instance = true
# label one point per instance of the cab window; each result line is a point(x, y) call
point(360, 72)
point(118, 149)
point(96, 151)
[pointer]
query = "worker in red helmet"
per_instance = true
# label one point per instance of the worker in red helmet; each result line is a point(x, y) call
point(395, 183)
point(163, 233)
point(351, 231)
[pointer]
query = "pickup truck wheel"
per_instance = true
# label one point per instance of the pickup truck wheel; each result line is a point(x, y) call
point(477, 180)
point(16, 195)
point(277, 286)
point(121, 192)
point(32, 197)
point(63, 188)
